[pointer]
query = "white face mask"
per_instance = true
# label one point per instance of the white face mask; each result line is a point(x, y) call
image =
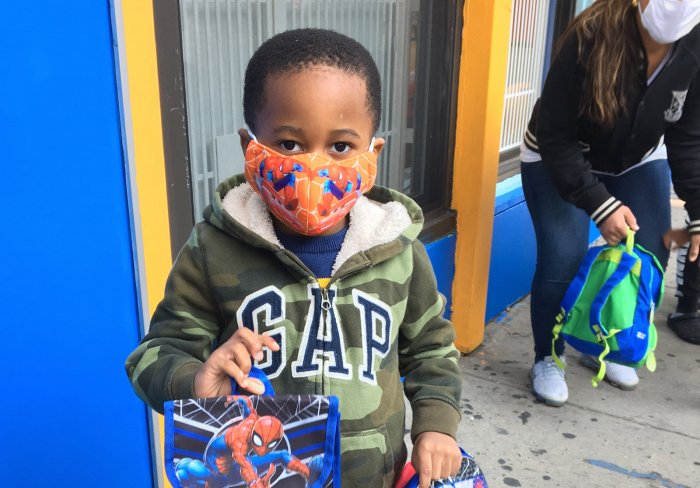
point(666, 21)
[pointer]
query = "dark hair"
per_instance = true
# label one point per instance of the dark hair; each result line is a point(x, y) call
point(609, 49)
point(295, 50)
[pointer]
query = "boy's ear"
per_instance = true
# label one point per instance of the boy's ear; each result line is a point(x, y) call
point(378, 145)
point(245, 139)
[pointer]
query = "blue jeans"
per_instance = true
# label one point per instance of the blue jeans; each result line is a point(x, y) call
point(561, 230)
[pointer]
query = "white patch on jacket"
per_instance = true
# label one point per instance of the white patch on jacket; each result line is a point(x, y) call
point(371, 223)
point(675, 111)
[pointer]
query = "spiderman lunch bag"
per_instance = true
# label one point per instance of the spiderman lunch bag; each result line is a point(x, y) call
point(468, 476)
point(261, 441)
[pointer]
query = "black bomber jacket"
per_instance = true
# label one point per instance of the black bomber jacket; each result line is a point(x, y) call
point(571, 145)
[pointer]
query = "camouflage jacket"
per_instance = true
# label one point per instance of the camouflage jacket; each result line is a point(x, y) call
point(380, 319)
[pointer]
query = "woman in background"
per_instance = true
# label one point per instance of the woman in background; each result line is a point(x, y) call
point(621, 104)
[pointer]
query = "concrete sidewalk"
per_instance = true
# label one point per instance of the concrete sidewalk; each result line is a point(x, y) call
point(603, 437)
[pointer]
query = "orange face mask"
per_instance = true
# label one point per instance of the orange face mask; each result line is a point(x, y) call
point(308, 192)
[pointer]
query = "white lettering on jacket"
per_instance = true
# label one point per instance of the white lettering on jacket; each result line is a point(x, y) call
point(322, 336)
point(375, 340)
point(270, 302)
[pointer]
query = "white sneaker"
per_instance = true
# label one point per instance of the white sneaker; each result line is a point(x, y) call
point(624, 377)
point(548, 382)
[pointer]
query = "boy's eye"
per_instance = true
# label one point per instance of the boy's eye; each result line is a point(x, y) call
point(341, 147)
point(290, 146)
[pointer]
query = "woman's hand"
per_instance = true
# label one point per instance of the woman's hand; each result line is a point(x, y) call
point(615, 227)
point(233, 359)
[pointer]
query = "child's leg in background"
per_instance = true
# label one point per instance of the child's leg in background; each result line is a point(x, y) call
point(685, 322)
point(688, 288)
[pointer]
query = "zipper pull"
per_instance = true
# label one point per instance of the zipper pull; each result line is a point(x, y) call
point(325, 301)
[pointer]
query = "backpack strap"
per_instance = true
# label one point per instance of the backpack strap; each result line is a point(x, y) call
point(572, 295)
point(624, 267)
point(576, 285)
point(598, 377)
point(257, 374)
point(629, 263)
point(555, 335)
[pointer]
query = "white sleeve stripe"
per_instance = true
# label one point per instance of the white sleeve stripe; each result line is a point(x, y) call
point(607, 213)
point(605, 206)
point(531, 140)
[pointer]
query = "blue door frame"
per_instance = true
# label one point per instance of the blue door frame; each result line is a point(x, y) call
point(68, 416)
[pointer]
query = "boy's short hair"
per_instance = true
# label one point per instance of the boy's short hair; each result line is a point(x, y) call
point(294, 50)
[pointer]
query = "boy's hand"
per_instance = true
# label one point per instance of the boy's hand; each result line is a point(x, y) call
point(233, 359)
point(435, 456)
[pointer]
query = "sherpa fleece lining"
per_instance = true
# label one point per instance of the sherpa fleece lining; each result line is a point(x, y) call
point(371, 223)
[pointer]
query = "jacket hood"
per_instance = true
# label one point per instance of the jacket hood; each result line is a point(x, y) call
point(382, 222)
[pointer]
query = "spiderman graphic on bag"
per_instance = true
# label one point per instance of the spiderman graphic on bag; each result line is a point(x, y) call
point(246, 446)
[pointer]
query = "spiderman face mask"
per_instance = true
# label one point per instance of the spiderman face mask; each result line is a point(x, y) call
point(308, 192)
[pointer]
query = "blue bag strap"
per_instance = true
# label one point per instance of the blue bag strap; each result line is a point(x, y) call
point(627, 262)
point(576, 286)
point(257, 374)
point(571, 296)
point(169, 442)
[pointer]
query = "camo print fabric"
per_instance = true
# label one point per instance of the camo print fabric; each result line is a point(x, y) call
point(379, 319)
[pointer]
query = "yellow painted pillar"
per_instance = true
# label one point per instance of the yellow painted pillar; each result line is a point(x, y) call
point(147, 132)
point(143, 132)
point(482, 78)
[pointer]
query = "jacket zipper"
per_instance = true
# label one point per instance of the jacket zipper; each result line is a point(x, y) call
point(325, 303)
point(325, 310)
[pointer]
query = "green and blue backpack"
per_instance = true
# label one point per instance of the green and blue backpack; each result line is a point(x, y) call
point(608, 309)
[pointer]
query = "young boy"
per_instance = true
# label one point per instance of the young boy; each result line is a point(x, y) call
point(328, 291)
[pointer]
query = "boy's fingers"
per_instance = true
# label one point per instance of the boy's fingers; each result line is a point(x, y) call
point(441, 468)
point(254, 386)
point(231, 369)
point(245, 335)
point(456, 464)
point(254, 343)
point(424, 477)
point(444, 469)
point(270, 342)
point(241, 357)
point(424, 470)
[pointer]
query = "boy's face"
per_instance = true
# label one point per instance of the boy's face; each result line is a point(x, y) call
point(321, 110)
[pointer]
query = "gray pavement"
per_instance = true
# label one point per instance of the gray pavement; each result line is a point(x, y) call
point(603, 437)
